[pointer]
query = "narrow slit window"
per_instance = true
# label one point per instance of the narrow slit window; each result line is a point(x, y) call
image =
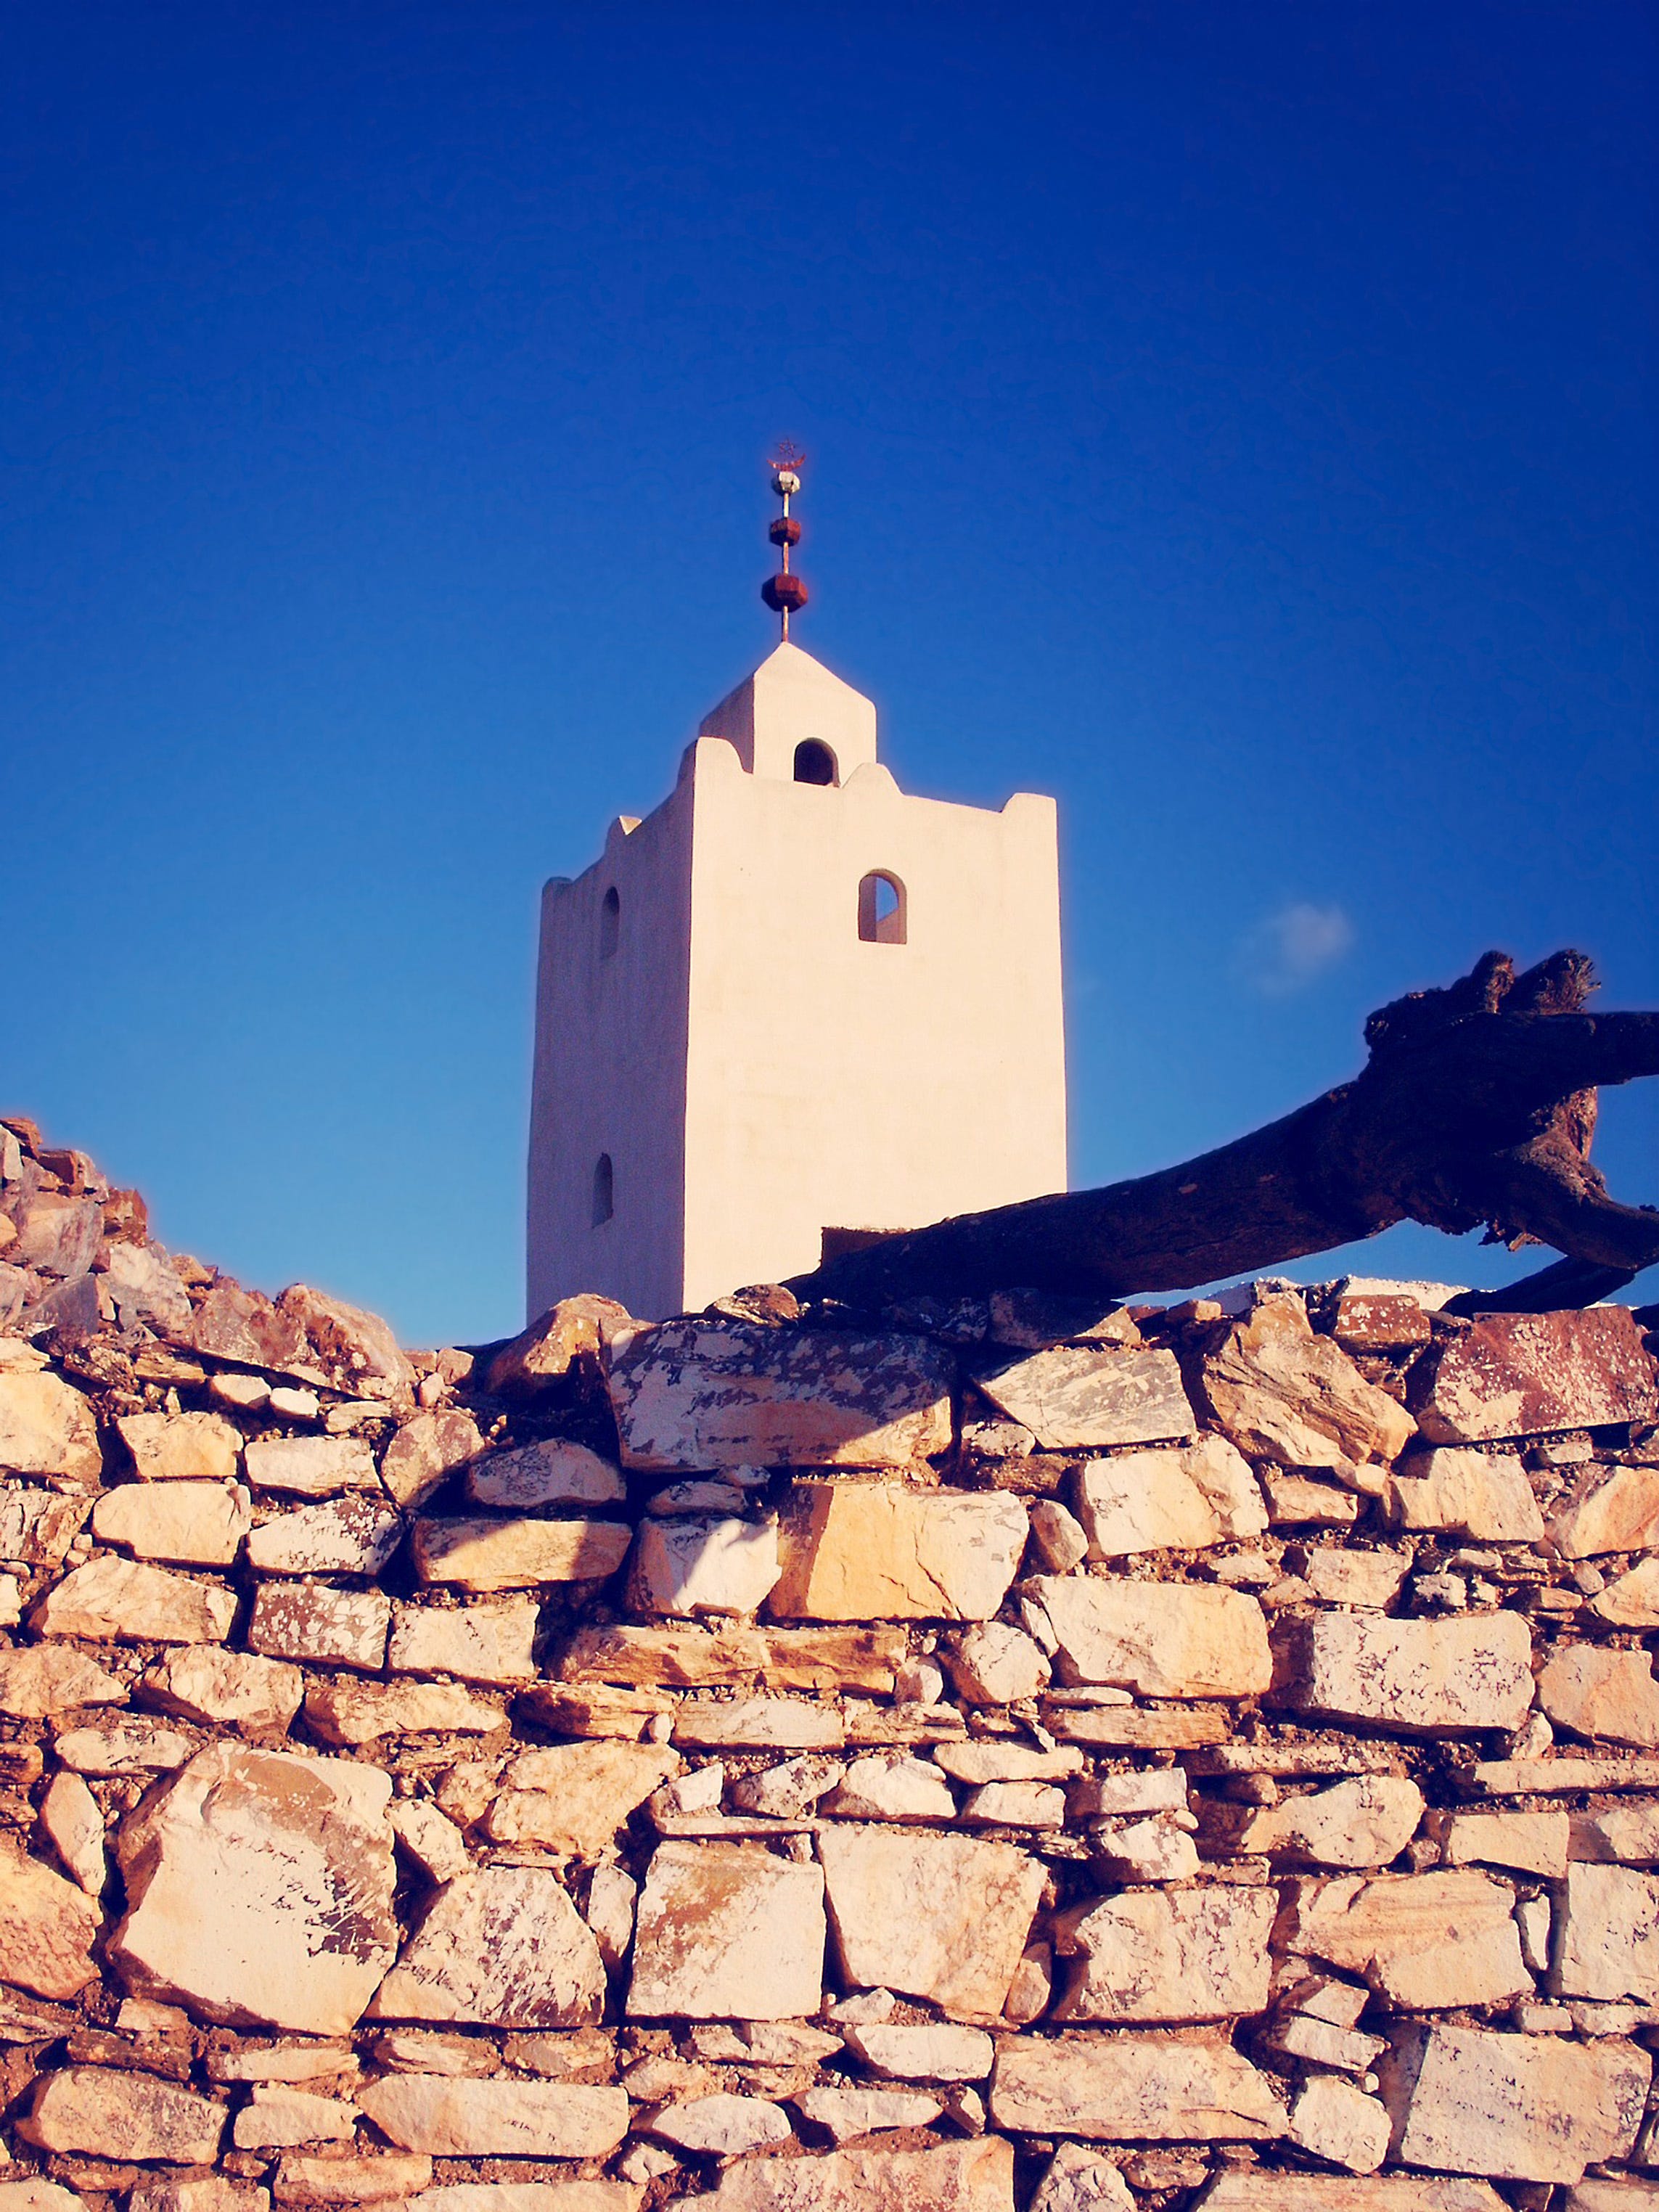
point(815, 762)
point(881, 910)
point(610, 922)
point(605, 1190)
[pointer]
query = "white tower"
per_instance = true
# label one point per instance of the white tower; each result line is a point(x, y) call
point(792, 997)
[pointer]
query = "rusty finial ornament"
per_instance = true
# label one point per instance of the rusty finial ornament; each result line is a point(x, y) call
point(784, 593)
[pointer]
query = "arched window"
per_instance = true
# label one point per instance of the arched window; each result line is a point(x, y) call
point(610, 922)
point(881, 910)
point(604, 1189)
point(814, 762)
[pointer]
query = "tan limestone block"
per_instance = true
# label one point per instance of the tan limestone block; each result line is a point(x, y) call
point(1108, 2087)
point(199, 1524)
point(283, 2119)
point(319, 1626)
point(36, 2194)
point(1278, 1392)
point(1485, 1496)
point(1610, 1509)
point(1597, 1693)
point(1335, 2120)
point(726, 1653)
point(502, 1947)
point(1606, 1935)
point(357, 1348)
point(553, 1472)
point(47, 1928)
point(878, 1789)
point(40, 1680)
point(935, 2052)
point(1079, 2180)
point(703, 1563)
point(965, 2177)
point(1533, 1842)
point(1167, 1955)
point(1631, 1600)
point(349, 1713)
point(104, 2113)
point(205, 1683)
point(727, 1932)
point(572, 1797)
point(568, 1333)
point(1421, 1677)
point(1516, 2107)
point(1341, 1576)
point(434, 1843)
point(376, 2178)
point(529, 2196)
point(37, 1525)
point(880, 1551)
point(451, 2118)
point(259, 1890)
point(425, 1449)
point(126, 1602)
point(980, 1762)
point(1159, 1639)
point(941, 1917)
point(1078, 1397)
point(474, 1553)
point(723, 2126)
point(489, 1643)
point(1423, 1940)
point(181, 1446)
point(845, 2114)
point(1330, 2192)
point(1627, 1833)
point(46, 1427)
point(73, 1825)
point(1364, 1822)
point(355, 1535)
point(123, 1743)
point(311, 1466)
point(1185, 1499)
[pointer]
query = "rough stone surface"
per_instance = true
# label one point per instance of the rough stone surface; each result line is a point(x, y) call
point(1425, 1940)
point(310, 1467)
point(701, 1563)
point(106, 2114)
point(1608, 1935)
point(943, 1918)
point(551, 1472)
point(726, 2126)
point(126, 1602)
point(427, 1449)
point(322, 1627)
point(181, 1446)
point(930, 2052)
point(346, 1712)
point(47, 1928)
point(1159, 1639)
point(448, 2117)
point(1329, 2192)
point(845, 2114)
point(259, 1890)
point(996, 1665)
point(352, 1535)
point(1597, 1693)
point(46, 1427)
point(1485, 1496)
point(1281, 1393)
point(1105, 2088)
point(1078, 2180)
point(1146, 1501)
point(190, 1523)
point(1522, 1375)
point(501, 1947)
point(694, 1394)
point(205, 1683)
point(876, 1551)
point(1364, 1822)
point(40, 1680)
point(969, 2176)
point(1167, 1955)
point(727, 1932)
point(572, 1797)
point(472, 1554)
point(1610, 1509)
point(1421, 1677)
point(1520, 2108)
point(1078, 1397)
point(489, 1643)
point(1631, 1600)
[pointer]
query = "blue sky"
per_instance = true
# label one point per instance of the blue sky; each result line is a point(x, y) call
point(1238, 422)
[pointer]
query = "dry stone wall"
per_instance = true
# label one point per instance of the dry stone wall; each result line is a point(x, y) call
point(1007, 1757)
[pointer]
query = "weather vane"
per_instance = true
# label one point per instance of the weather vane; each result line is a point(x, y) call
point(784, 593)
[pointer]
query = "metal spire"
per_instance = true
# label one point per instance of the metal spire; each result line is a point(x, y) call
point(784, 593)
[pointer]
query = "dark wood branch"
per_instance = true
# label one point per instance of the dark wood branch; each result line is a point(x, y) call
point(1476, 1106)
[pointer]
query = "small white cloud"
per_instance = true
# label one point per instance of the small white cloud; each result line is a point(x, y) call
point(1293, 946)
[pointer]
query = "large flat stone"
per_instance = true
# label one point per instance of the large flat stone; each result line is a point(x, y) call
point(472, 1554)
point(46, 1427)
point(259, 1890)
point(47, 1928)
point(698, 1393)
point(311, 1466)
point(1522, 1375)
point(1485, 1496)
point(351, 1536)
point(1364, 1822)
point(181, 1446)
point(504, 1946)
point(1330, 2192)
point(452, 2117)
point(489, 1643)
point(1083, 1397)
point(941, 1917)
point(1608, 1695)
point(126, 1602)
point(553, 1472)
point(1180, 1499)
point(1167, 1955)
point(320, 1627)
point(197, 1525)
point(727, 1932)
point(1281, 1393)
point(350, 1712)
point(859, 1551)
point(1425, 1940)
point(726, 1654)
point(1606, 1935)
point(1159, 1639)
point(966, 2177)
point(1609, 1509)
point(40, 1680)
point(1517, 2107)
point(425, 1450)
point(104, 2113)
point(703, 1563)
point(1110, 2087)
point(572, 1797)
point(1420, 1677)
point(229, 1689)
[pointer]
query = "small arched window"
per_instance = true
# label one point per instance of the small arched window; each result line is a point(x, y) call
point(815, 762)
point(605, 1190)
point(881, 910)
point(610, 922)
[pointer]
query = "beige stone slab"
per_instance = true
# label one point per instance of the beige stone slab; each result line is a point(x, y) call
point(572, 1797)
point(934, 2052)
point(40, 1680)
point(118, 1600)
point(473, 1553)
point(104, 2113)
point(1122, 1728)
point(120, 1743)
point(962, 2177)
point(46, 1428)
point(594, 1710)
point(762, 1723)
point(1342, 1576)
point(259, 1890)
point(492, 1642)
point(1110, 2086)
point(449, 2117)
point(320, 1627)
point(865, 1551)
point(1631, 1600)
point(700, 1563)
point(502, 1947)
point(1086, 1397)
point(844, 2114)
point(1159, 1639)
point(529, 2196)
point(725, 1931)
point(73, 1824)
point(1425, 1940)
point(1606, 1935)
point(425, 1450)
point(1485, 1496)
point(1609, 1509)
point(187, 1523)
point(372, 2177)
point(1520, 1375)
point(1627, 1833)
point(980, 1762)
point(355, 1535)
point(1514, 2107)
point(348, 1713)
point(1420, 1677)
point(1330, 2192)
point(691, 1395)
point(553, 1472)
point(1281, 1393)
point(723, 2126)
point(1167, 1955)
point(1533, 1842)
point(1602, 1693)
point(1180, 1499)
point(1366, 1822)
point(726, 1653)
point(311, 1466)
point(946, 1918)
point(181, 1446)
point(47, 1928)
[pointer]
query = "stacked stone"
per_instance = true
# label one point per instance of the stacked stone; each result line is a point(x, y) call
point(1012, 1756)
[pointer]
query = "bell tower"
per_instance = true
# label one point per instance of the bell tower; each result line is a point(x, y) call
point(791, 998)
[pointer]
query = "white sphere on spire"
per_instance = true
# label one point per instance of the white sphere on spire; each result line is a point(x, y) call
point(785, 483)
